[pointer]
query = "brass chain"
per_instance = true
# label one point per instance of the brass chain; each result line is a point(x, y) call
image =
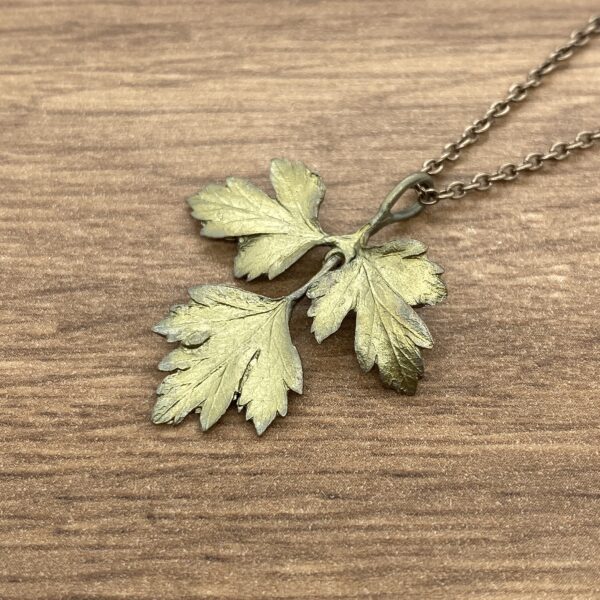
point(517, 93)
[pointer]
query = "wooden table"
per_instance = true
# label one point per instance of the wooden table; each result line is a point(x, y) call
point(486, 484)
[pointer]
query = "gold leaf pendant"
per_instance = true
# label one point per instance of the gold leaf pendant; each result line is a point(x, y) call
point(235, 345)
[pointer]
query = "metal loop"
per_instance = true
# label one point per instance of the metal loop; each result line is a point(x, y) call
point(563, 53)
point(533, 78)
point(451, 151)
point(428, 196)
point(534, 161)
point(481, 125)
point(386, 216)
point(432, 166)
point(585, 138)
point(560, 151)
point(499, 109)
point(457, 188)
point(518, 92)
point(509, 171)
point(483, 181)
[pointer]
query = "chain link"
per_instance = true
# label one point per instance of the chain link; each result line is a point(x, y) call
point(517, 93)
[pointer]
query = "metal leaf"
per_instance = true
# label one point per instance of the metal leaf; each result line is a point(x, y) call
point(380, 284)
point(235, 345)
point(274, 233)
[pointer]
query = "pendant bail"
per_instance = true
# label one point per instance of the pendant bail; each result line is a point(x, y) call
point(419, 181)
point(414, 181)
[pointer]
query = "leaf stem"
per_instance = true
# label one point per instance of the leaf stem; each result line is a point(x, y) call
point(346, 246)
point(331, 261)
point(385, 216)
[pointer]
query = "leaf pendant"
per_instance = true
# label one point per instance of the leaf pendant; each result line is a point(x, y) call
point(235, 345)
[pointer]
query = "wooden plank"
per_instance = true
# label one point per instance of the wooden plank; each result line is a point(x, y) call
point(484, 484)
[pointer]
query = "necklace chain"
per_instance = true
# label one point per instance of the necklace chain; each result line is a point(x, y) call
point(517, 93)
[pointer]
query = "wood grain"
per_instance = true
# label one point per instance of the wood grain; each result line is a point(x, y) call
point(486, 484)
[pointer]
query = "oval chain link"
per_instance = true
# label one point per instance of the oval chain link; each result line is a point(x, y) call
point(517, 93)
